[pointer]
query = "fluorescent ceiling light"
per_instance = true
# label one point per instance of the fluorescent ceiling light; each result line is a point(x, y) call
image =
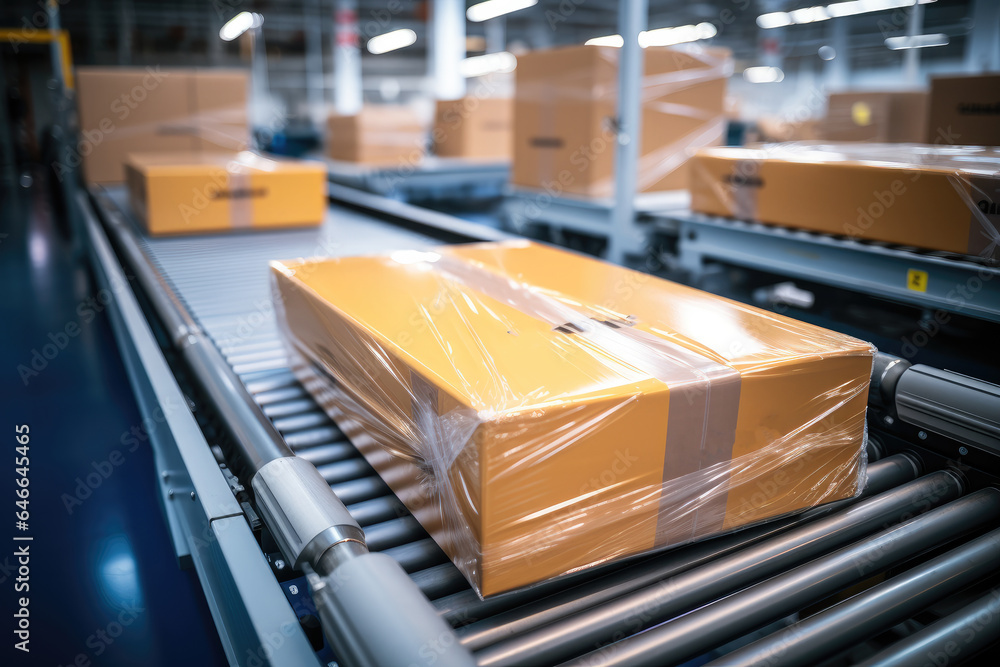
point(502, 62)
point(763, 74)
point(661, 36)
point(809, 15)
point(494, 8)
point(774, 20)
point(391, 41)
point(608, 40)
point(236, 26)
point(836, 10)
point(678, 35)
point(916, 41)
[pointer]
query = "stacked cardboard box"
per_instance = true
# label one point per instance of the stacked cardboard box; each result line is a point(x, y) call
point(178, 193)
point(378, 135)
point(965, 110)
point(876, 117)
point(135, 109)
point(473, 127)
point(565, 109)
point(540, 412)
point(914, 195)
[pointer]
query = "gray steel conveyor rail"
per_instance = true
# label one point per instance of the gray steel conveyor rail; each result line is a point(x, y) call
point(560, 620)
point(310, 523)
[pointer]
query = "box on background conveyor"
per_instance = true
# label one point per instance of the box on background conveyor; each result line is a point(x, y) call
point(178, 193)
point(933, 197)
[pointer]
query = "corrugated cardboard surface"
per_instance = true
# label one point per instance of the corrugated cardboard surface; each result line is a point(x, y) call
point(914, 195)
point(876, 117)
point(539, 411)
point(565, 105)
point(380, 135)
point(135, 109)
point(176, 193)
point(472, 127)
point(965, 110)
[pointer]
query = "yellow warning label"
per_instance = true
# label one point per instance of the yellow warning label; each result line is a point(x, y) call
point(916, 280)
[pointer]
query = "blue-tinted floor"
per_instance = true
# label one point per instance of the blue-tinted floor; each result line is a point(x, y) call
point(103, 584)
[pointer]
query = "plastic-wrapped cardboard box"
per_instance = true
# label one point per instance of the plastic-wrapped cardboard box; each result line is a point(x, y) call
point(940, 198)
point(177, 193)
point(379, 135)
point(149, 109)
point(876, 117)
point(540, 412)
point(565, 104)
point(475, 128)
point(965, 110)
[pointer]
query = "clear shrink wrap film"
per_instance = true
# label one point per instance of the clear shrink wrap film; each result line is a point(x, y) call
point(936, 197)
point(566, 104)
point(540, 412)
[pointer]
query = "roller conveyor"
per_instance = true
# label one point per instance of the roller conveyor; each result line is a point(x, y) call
point(661, 609)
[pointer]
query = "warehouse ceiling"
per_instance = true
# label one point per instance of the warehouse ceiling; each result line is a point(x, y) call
point(186, 32)
point(145, 30)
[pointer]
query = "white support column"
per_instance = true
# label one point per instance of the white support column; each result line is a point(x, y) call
point(632, 18)
point(838, 70)
point(312, 14)
point(447, 48)
point(125, 12)
point(911, 57)
point(496, 34)
point(347, 91)
point(982, 49)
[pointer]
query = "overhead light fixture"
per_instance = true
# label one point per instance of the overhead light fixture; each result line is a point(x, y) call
point(916, 41)
point(608, 40)
point(827, 52)
point(239, 24)
point(763, 74)
point(774, 20)
point(390, 41)
point(491, 9)
point(679, 35)
point(491, 63)
point(661, 36)
point(834, 11)
point(809, 15)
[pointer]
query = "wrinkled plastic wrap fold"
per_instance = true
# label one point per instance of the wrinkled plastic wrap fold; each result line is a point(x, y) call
point(937, 197)
point(540, 412)
point(566, 106)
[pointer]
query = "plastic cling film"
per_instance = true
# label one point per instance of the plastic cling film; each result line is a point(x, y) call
point(939, 198)
point(566, 101)
point(540, 412)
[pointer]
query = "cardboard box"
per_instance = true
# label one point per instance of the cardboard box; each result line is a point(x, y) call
point(148, 109)
point(913, 195)
point(379, 135)
point(177, 193)
point(566, 102)
point(540, 411)
point(475, 128)
point(965, 110)
point(876, 117)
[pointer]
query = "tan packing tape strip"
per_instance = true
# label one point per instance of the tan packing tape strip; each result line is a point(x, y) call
point(240, 197)
point(704, 397)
